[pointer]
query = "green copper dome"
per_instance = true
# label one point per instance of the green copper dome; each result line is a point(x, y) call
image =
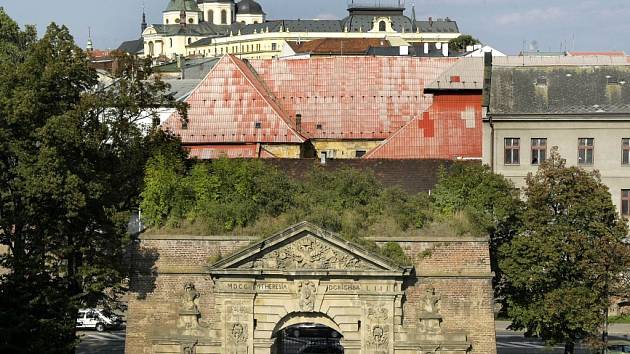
point(182, 5)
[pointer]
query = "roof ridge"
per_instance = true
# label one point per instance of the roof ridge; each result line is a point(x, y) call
point(252, 76)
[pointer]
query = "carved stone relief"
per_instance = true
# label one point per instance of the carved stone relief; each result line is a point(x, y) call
point(307, 291)
point(237, 338)
point(430, 318)
point(189, 348)
point(308, 253)
point(189, 312)
point(378, 339)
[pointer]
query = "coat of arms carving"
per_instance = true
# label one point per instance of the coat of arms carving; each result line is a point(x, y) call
point(308, 253)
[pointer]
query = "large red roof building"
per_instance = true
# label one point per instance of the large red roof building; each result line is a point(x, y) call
point(340, 107)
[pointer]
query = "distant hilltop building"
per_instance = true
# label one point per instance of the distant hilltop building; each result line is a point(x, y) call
point(212, 28)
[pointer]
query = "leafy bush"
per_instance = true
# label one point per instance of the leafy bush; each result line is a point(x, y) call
point(249, 197)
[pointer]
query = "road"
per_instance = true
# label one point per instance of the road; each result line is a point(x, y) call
point(507, 343)
point(93, 342)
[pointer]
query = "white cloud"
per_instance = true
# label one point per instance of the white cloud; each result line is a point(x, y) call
point(326, 16)
point(531, 16)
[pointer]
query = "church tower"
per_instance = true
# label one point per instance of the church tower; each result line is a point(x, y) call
point(182, 9)
point(218, 12)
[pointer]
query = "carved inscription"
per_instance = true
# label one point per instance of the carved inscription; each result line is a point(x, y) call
point(308, 253)
point(248, 287)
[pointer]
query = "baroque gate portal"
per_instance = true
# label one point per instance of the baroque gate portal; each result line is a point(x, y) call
point(310, 280)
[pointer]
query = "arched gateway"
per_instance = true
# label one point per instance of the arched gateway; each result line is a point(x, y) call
point(306, 290)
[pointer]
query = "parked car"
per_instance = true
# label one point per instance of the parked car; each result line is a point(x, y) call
point(97, 319)
point(618, 347)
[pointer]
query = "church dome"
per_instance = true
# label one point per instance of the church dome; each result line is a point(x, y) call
point(182, 5)
point(249, 7)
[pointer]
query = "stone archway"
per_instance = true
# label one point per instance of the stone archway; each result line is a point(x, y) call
point(308, 338)
point(294, 319)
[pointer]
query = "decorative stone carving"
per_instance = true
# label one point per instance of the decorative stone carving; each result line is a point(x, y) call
point(307, 291)
point(189, 298)
point(308, 253)
point(378, 338)
point(431, 301)
point(430, 318)
point(378, 314)
point(189, 348)
point(238, 335)
point(189, 312)
point(237, 338)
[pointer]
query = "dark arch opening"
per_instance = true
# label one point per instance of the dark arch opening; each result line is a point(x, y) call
point(382, 26)
point(308, 338)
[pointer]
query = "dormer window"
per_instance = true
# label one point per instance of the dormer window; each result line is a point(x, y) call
point(541, 81)
point(612, 80)
point(382, 26)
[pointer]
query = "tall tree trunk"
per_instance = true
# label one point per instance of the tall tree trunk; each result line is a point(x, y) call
point(569, 348)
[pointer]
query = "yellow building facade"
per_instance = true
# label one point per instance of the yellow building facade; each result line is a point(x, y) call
point(212, 28)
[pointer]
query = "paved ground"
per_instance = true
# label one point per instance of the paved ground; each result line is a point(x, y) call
point(93, 342)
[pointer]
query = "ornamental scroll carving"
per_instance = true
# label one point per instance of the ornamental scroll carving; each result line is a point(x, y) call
point(308, 253)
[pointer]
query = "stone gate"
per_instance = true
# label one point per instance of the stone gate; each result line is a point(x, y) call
point(306, 275)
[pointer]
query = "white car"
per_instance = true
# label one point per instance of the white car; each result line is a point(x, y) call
point(99, 320)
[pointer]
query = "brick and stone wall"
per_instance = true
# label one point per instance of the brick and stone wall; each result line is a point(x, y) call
point(457, 268)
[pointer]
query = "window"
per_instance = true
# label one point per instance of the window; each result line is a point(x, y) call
point(170, 41)
point(625, 202)
point(151, 49)
point(512, 151)
point(625, 152)
point(189, 40)
point(258, 125)
point(539, 151)
point(210, 16)
point(224, 17)
point(191, 20)
point(274, 46)
point(585, 151)
point(360, 153)
point(382, 26)
point(167, 21)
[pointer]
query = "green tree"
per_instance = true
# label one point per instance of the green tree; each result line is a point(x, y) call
point(490, 200)
point(460, 43)
point(71, 161)
point(563, 266)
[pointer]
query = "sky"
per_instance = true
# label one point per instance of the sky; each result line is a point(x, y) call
point(507, 25)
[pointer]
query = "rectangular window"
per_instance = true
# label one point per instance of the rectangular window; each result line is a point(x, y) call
point(274, 46)
point(539, 151)
point(360, 153)
point(625, 151)
point(586, 147)
point(512, 151)
point(625, 202)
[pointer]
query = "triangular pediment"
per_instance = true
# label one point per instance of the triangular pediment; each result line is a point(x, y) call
point(306, 248)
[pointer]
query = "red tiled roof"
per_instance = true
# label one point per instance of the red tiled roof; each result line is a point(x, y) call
point(231, 105)
point(352, 97)
point(341, 98)
point(338, 45)
point(451, 128)
point(603, 54)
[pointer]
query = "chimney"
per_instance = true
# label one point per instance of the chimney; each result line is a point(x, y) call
point(181, 65)
point(487, 79)
point(298, 122)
